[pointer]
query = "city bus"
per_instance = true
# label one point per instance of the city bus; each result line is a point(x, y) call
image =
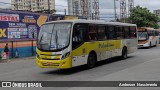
point(69, 43)
point(147, 37)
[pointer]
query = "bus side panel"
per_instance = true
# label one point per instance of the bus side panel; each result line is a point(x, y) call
point(116, 49)
point(80, 54)
point(103, 49)
point(131, 45)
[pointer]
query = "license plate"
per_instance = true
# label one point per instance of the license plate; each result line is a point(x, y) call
point(48, 64)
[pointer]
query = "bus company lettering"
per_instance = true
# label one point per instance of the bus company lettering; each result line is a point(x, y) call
point(103, 45)
point(9, 17)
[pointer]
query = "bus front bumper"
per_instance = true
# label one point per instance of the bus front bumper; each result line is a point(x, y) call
point(143, 45)
point(61, 64)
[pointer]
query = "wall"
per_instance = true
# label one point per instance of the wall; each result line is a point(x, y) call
point(23, 48)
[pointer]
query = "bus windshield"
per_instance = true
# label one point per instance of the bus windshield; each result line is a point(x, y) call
point(142, 35)
point(54, 36)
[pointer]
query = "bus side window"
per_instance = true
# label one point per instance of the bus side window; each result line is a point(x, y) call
point(79, 32)
point(107, 32)
point(154, 33)
point(101, 33)
point(133, 32)
point(92, 32)
point(126, 32)
point(111, 32)
point(119, 32)
point(157, 33)
point(76, 35)
point(149, 33)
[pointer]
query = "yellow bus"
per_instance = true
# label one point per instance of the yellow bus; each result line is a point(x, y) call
point(147, 37)
point(70, 43)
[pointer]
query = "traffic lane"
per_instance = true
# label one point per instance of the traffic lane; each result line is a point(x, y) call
point(27, 70)
point(107, 67)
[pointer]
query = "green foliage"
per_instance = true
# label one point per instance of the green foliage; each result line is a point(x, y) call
point(143, 17)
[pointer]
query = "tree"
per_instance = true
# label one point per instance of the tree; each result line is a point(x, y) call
point(143, 17)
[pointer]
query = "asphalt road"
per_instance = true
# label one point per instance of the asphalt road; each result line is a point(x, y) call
point(143, 65)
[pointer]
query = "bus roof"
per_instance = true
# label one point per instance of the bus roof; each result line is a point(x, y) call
point(94, 22)
point(146, 29)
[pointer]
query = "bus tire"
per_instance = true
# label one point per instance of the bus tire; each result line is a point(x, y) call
point(91, 62)
point(124, 53)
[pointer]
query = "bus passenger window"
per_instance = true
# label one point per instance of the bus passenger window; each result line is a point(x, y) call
point(101, 33)
point(77, 34)
point(111, 33)
point(92, 33)
point(119, 32)
point(133, 32)
point(126, 32)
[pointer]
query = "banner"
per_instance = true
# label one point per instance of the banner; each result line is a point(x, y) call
point(20, 25)
point(71, 17)
point(80, 84)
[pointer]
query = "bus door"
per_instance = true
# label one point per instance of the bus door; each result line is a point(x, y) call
point(78, 47)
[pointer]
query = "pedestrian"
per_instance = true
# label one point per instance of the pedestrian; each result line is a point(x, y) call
point(6, 50)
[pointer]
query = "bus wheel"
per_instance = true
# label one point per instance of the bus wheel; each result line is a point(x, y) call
point(124, 53)
point(91, 62)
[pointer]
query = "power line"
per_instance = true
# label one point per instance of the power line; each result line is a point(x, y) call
point(5, 3)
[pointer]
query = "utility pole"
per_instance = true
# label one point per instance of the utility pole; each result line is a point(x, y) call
point(65, 13)
point(115, 8)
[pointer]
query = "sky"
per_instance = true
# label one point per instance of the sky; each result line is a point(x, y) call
point(106, 6)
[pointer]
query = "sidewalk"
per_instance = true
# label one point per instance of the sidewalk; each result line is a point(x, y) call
point(18, 59)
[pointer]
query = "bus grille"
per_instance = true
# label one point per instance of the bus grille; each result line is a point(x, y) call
point(50, 57)
point(50, 64)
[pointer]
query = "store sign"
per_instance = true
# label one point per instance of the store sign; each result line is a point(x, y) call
point(2, 33)
point(9, 17)
point(29, 19)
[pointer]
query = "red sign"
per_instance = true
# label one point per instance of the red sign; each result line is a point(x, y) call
point(9, 17)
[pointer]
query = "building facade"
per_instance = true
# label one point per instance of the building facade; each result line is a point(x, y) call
point(157, 12)
point(80, 8)
point(33, 5)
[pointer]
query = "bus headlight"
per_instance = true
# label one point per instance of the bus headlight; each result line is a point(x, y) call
point(65, 55)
